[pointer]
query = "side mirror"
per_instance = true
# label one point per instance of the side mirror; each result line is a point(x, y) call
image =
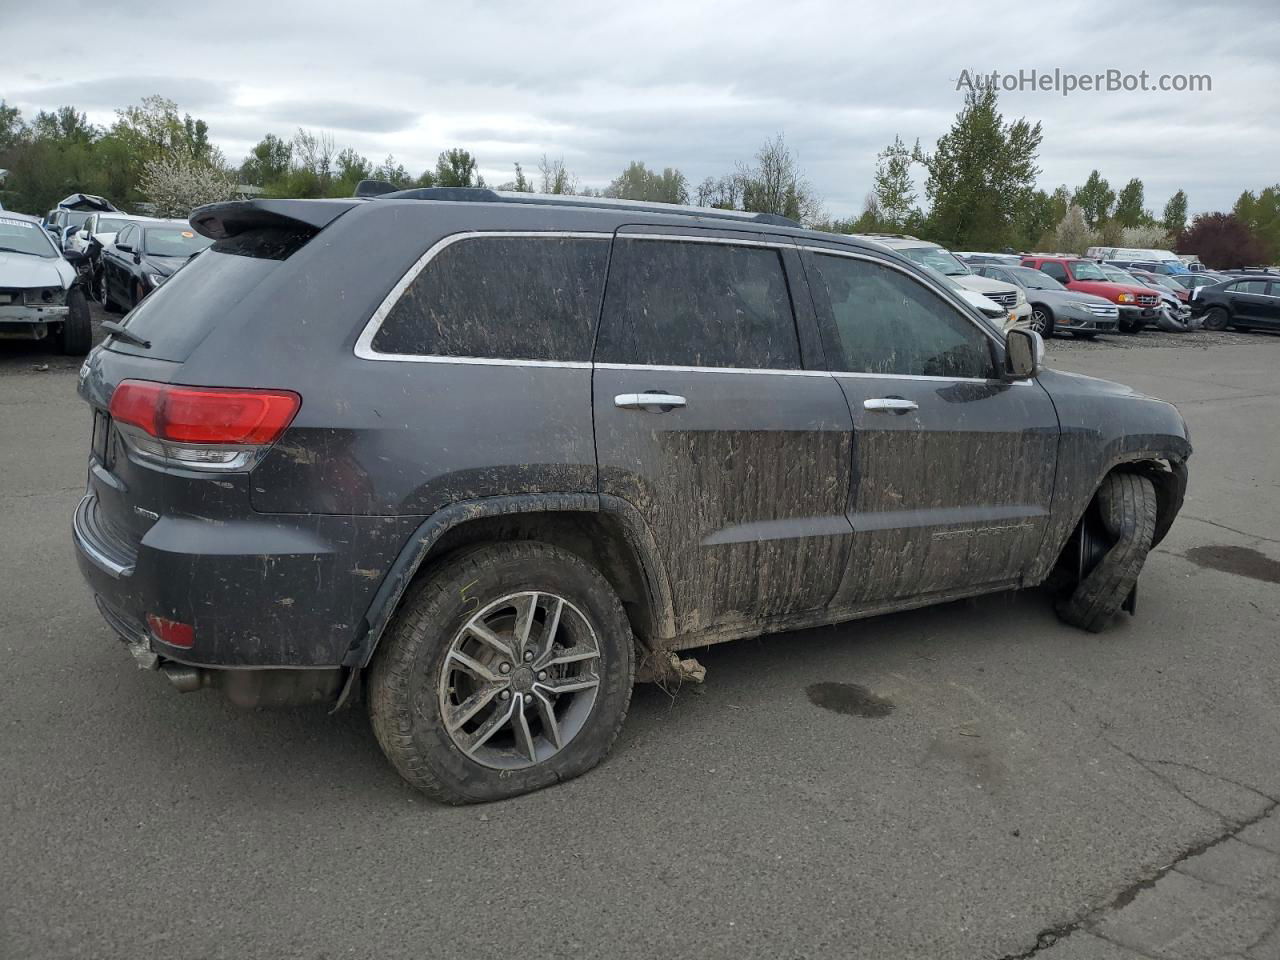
point(124, 248)
point(1023, 354)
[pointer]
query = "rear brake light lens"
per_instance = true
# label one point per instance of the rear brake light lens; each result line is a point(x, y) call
point(204, 415)
point(172, 632)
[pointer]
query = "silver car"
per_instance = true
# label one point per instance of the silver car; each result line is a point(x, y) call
point(39, 295)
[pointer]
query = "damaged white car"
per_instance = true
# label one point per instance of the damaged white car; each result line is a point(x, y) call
point(39, 294)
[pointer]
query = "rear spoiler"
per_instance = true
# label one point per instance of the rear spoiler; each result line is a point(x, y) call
point(218, 221)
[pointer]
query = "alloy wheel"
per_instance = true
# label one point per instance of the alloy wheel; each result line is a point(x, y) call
point(1039, 322)
point(519, 680)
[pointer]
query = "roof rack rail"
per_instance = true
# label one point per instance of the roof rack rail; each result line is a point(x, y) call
point(370, 188)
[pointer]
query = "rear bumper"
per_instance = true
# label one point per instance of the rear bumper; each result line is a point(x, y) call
point(262, 591)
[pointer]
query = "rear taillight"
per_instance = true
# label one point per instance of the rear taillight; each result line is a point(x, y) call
point(212, 428)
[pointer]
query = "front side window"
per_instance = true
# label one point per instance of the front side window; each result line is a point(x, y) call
point(889, 323)
point(506, 298)
point(692, 304)
point(125, 236)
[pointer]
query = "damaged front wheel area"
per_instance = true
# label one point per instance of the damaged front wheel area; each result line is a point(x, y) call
point(1108, 550)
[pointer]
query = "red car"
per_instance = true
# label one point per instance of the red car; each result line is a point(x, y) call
point(1138, 305)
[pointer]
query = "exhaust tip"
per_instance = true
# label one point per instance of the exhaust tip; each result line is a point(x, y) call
point(185, 679)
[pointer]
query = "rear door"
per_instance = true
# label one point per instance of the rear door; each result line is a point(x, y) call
point(1248, 300)
point(717, 424)
point(953, 466)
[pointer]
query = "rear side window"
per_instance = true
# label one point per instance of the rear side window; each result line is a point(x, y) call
point(506, 298)
point(1055, 270)
point(889, 323)
point(1250, 286)
point(688, 304)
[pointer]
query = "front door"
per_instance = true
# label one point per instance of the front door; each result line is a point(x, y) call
point(709, 423)
point(953, 466)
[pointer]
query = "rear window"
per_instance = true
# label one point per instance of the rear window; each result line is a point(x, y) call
point(182, 312)
point(507, 298)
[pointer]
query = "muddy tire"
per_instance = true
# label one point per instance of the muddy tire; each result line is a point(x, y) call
point(508, 669)
point(1124, 511)
point(1216, 318)
point(76, 334)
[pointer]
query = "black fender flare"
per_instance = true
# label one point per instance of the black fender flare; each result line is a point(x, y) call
point(418, 547)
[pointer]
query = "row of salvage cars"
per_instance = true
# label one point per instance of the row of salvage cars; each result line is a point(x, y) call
point(84, 248)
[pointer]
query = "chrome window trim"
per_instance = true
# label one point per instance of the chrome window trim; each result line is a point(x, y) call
point(364, 343)
point(666, 368)
point(778, 244)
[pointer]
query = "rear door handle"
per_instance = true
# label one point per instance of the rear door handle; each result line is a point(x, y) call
point(890, 405)
point(649, 402)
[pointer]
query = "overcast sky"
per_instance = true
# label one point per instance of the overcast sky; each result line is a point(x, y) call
point(692, 84)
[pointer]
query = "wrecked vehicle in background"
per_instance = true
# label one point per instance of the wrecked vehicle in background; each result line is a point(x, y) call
point(70, 215)
point(538, 444)
point(39, 292)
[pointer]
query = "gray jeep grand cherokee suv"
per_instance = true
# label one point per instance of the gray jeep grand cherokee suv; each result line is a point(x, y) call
point(486, 456)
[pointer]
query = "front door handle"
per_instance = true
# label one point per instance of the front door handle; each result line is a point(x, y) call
point(890, 405)
point(649, 402)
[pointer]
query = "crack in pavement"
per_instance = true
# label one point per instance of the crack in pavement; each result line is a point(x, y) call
point(1088, 920)
point(1223, 526)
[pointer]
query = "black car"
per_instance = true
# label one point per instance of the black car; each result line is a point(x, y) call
point(486, 456)
point(1054, 308)
point(1241, 303)
point(143, 256)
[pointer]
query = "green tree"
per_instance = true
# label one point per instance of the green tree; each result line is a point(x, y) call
point(980, 174)
point(456, 167)
point(1129, 205)
point(1261, 214)
point(1036, 214)
point(1094, 199)
point(774, 184)
point(892, 187)
point(12, 128)
point(555, 177)
point(638, 182)
point(1175, 213)
point(268, 161)
point(520, 184)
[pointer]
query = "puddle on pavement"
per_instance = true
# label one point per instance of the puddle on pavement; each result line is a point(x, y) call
point(1242, 561)
point(848, 698)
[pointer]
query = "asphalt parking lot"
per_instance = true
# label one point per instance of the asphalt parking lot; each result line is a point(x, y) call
point(993, 784)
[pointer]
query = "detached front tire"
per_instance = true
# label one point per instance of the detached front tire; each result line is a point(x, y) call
point(1110, 547)
point(507, 670)
point(76, 335)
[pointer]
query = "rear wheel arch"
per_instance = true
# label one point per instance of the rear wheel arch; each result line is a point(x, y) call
point(604, 531)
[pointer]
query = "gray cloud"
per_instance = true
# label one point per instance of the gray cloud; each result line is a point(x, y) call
point(696, 86)
point(368, 118)
point(191, 93)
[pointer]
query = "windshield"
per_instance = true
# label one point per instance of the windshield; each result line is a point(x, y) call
point(1116, 275)
point(172, 242)
point(111, 224)
point(936, 258)
point(1034, 279)
point(1083, 270)
point(24, 236)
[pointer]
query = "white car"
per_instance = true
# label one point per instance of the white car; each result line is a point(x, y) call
point(39, 296)
point(100, 228)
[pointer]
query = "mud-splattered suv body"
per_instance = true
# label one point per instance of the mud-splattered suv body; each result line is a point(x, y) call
point(725, 424)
